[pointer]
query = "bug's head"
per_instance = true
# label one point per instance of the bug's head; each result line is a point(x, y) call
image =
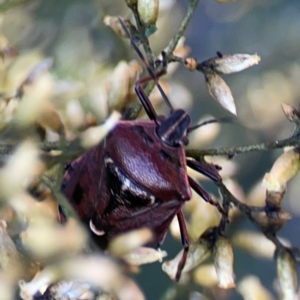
point(172, 130)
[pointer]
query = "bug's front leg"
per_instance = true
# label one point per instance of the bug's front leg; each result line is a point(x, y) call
point(208, 170)
point(201, 192)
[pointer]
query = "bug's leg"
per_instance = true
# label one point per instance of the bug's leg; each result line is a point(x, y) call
point(207, 170)
point(144, 99)
point(140, 90)
point(201, 192)
point(153, 76)
point(185, 243)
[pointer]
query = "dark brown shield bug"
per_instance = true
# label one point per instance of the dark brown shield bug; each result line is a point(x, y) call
point(136, 177)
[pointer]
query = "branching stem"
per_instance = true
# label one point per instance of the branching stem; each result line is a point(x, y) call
point(190, 11)
point(233, 151)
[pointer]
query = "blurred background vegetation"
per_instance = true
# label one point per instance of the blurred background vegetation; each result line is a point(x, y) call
point(85, 52)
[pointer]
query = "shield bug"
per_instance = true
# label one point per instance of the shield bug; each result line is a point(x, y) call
point(137, 177)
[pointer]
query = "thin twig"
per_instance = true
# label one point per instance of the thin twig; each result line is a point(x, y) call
point(190, 11)
point(248, 211)
point(7, 149)
point(144, 40)
point(133, 111)
point(232, 151)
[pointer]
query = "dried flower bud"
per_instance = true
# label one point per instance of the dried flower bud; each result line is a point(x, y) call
point(130, 241)
point(285, 168)
point(206, 275)
point(46, 240)
point(278, 213)
point(144, 255)
point(198, 252)
point(115, 25)
point(220, 91)
point(257, 195)
point(203, 216)
point(255, 243)
point(290, 112)
point(274, 198)
point(272, 219)
point(251, 289)
point(37, 92)
point(34, 73)
point(49, 118)
point(92, 136)
point(226, 64)
point(119, 86)
point(190, 63)
point(40, 280)
point(75, 114)
point(223, 256)
point(134, 70)
point(148, 11)
point(20, 169)
point(286, 273)
point(98, 271)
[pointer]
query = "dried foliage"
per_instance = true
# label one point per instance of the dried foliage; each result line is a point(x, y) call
point(53, 110)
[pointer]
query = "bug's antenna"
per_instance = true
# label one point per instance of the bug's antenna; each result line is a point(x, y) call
point(150, 71)
point(222, 120)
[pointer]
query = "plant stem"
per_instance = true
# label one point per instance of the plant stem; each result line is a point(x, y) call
point(190, 11)
point(232, 151)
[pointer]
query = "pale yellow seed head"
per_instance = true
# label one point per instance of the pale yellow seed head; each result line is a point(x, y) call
point(148, 11)
point(206, 275)
point(220, 91)
point(287, 274)
point(251, 288)
point(128, 242)
point(223, 257)
point(228, 64)
point(255, 243)
point(286, 166)
point(198, 252)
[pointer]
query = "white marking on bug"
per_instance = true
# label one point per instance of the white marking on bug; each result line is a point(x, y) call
point(95, 230)
point(117, 171)
point(108, 160)
point(126, 184)
point(152, 200)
